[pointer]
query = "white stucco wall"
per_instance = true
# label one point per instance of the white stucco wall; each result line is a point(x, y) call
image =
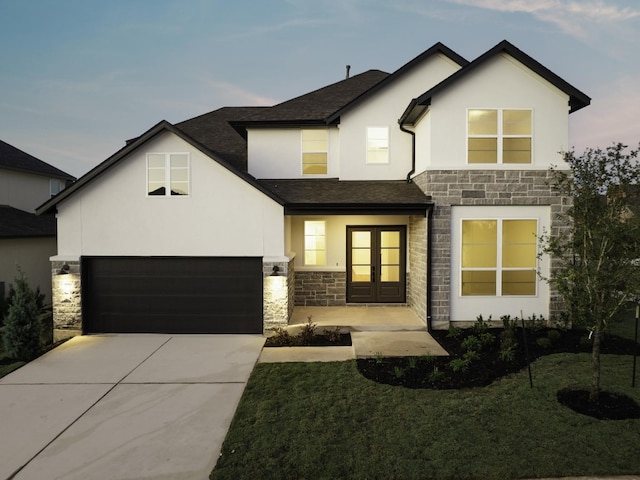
point(222, 216)
point(336, 237)
point(500, 83)
point(23, 190)
point(277, 153)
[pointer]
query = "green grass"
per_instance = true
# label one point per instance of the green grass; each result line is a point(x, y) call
point(324, 420)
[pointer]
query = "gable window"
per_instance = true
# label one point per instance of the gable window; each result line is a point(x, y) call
point(314, 152)
point(499, 257)
point(377, 145)
point(499, 136)
point(55, 186)
point(315, 247)
point(167, 174)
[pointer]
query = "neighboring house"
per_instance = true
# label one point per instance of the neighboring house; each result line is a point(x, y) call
point(425, 187)
point(27, 240)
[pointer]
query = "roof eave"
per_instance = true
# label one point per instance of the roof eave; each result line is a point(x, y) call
point(420, 209)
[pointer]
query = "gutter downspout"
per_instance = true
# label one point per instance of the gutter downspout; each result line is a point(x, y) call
point(413, 149)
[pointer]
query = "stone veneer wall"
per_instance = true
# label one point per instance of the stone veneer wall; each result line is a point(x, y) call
point(481, 187)
point(66, 299)
point(417, 276)
point(278, 294)
point(320, 289)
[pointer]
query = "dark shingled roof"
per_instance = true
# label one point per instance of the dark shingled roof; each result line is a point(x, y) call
point(307, 196)
point(13, 158)
point(16, 223)
point(214, 131)
point(317, 106)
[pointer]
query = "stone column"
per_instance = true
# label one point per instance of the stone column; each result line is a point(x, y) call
point(66, 298)
point(277, 293)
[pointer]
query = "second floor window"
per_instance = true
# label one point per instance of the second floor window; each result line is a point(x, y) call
point(315, 145)
point(167, 174)
point(377, 145)
point(499, 136)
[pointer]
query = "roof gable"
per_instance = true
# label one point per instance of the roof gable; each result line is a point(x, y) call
point(13, 158)
point(133, 145)
point(577, 99)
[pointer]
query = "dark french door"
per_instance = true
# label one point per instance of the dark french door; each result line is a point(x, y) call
point(376, 264)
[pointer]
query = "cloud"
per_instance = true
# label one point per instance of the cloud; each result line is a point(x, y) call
point(233, 94)
point(570, 16)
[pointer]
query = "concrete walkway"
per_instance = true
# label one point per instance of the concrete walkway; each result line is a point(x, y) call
point(389, 331)
point(124, 407)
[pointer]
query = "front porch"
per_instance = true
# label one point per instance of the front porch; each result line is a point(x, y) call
point(376, 330)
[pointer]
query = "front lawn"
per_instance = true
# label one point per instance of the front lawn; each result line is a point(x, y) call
point(325, 420)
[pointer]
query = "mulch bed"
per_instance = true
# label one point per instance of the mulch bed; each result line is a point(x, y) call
point(442, 373)
point(317, 340)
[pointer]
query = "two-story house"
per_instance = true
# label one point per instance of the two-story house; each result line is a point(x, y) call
point(425, 187)
point(27, 240)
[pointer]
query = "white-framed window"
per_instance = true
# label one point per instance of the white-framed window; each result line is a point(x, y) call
point(315, 244)
point(499, 257)
point(167, 174)
point(315, 145)
point(377, 145)
point(499, 136)
point(55, 186)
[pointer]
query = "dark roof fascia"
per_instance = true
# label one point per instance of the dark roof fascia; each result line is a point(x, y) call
point(160, 127)
point(420, 209)
point(577, 99)
point(435, 49)
point(240, 125)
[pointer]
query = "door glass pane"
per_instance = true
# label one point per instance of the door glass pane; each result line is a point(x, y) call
point(361, 256)
point(390, 273)
point(478, 283)
point(519, 282)
point(479, 243)
point(360, 273)
point(390, 239)
point(390, 256)
point(361, 239)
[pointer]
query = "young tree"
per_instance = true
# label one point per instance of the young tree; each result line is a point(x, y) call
point(596, 267)
point(21, 336)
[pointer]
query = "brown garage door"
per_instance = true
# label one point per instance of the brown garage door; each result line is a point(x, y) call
point(172, 294)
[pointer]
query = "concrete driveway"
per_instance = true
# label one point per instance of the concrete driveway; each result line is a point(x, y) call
point(124, 407)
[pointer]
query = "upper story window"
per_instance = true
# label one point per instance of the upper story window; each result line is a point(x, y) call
point(55, 186)
point(377, 145)
point(499, 257)
point(315, 145)
point(167, 174)
point(499, 136)
point(315, 247)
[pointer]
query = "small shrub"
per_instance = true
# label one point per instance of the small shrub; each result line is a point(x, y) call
point(379, 357)
point(413, 361)
point(481, 324)
point(471, 343)
point(427, 359)
point(334, 335)
point(486, 339)
point(507, 354)
point(554, 335)
point(508, 323)
point(398, 372)
point(436, 375)
point(459, 365)
point(281, 337)
point(544, 342)
point(22, 329)
point(535, 323)
point(308, 332)
point(454, 332)
point(471, 356)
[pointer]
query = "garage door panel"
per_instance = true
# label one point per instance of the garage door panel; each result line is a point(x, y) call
point(172, 295)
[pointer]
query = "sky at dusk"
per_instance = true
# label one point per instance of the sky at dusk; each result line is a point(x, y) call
point(79, 77)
